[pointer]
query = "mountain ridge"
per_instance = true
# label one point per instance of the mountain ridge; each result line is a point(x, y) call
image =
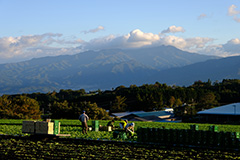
point(214, 69)
point(92, 70)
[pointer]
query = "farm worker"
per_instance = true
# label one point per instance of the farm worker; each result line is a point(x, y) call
point(130, 128)
point(111, 123)
point(84, 118)
point(123, 124)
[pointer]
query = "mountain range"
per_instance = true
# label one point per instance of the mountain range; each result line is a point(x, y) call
point(106, 69)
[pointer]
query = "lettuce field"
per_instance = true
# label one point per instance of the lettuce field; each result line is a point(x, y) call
point(101, 145)
point(22, 148)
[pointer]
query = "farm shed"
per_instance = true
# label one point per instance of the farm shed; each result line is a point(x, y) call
point(133, 117)
point(156, 116)
point(122, 114)
point(221, 114)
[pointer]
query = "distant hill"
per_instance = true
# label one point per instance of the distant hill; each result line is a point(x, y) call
point(94, 70)
point(215, 70)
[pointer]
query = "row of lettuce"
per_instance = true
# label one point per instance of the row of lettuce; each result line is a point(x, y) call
point(75, 125)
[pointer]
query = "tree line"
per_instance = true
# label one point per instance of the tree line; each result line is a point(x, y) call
point(148, 97)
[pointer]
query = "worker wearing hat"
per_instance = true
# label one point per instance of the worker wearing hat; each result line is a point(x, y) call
point(84, 118)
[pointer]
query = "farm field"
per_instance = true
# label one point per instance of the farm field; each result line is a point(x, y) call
point(80, 146)
point(168, 125)
point(21, 148)
point(73, 127)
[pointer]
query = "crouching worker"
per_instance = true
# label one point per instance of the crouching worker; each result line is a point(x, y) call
point(129, 128)
point(84, 118)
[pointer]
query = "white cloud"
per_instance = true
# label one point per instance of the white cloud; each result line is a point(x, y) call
point(188, 44)
point(233, 12)
point(137, 38)
point(173, 29)
point(235, 41)
point(134, 39)
point(99, 28)
point(173, 41)
point(198, 42)
point(14, 49)
point(202, 16)
point(26, 47)
point(236, 19)
point(231, 48)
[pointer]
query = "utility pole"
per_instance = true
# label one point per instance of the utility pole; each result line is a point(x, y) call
point(234, 109)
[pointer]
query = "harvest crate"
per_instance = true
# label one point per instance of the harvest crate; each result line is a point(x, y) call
point(210, 138)
point(56, 129)
point(28, 127)
point(95, 125)
point(44, 127)
point(213, 128)
point(194, 127)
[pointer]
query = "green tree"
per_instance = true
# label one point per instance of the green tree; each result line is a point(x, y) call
point(207, 101)
point(5, 103)
point(172, 101)
point(119, 104)
point(95, 112)
point(178, 102)
point(19, 107)
point(147, 101)
point(61, 110)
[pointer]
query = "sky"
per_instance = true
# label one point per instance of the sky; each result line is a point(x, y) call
point(38, 28)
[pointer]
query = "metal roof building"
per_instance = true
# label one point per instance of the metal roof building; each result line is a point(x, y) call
point(122, 114)
point(230, 109)
point(222, 114)
point(157, 116)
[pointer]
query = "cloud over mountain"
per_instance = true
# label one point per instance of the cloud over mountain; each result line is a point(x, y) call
point(232, 46)
point(134, 39)
point(26, 47)
point(173, 29)
point(138, 38)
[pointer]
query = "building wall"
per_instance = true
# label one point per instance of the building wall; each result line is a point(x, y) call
point(208, 118)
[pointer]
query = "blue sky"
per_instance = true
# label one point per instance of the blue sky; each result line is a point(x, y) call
point(37, 28)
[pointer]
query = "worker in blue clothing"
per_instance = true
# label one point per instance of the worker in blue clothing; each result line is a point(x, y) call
point(84, 118)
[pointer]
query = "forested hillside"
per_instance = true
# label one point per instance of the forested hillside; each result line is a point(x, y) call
point(92, 70)
point(148, 97)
